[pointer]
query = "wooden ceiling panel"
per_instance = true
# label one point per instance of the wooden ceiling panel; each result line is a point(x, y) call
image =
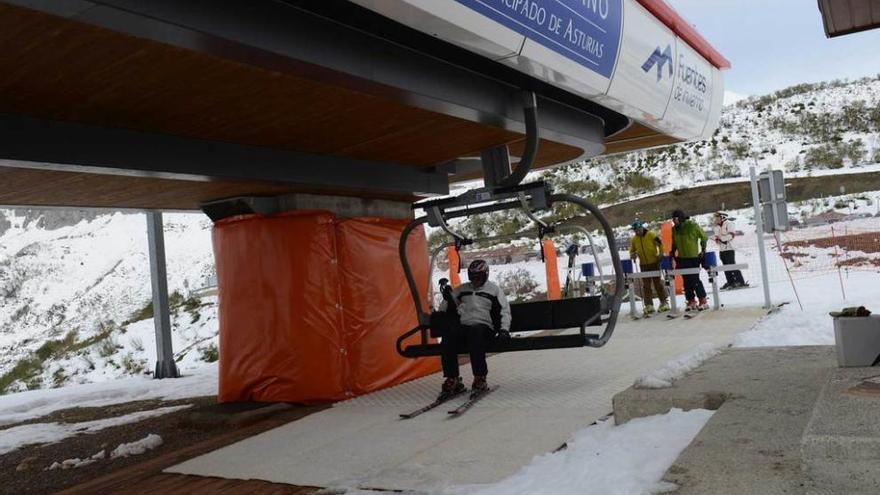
point(64, 70)
point(57, 69)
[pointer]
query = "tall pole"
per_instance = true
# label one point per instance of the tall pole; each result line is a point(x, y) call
point(165, 367)
point(759, 230)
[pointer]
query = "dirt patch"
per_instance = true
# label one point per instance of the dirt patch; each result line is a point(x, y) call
point(859, 261)
point(868, 242)
point(24, 471)
point(80, 414)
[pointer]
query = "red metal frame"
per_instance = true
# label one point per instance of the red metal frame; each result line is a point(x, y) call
point(667, 15)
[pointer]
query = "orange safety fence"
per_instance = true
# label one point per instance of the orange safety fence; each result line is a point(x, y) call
point(831, 247)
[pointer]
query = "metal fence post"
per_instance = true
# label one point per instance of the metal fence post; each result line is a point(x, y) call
point(165, 366)
point(713, 277)
point(632, 297)
point(759, 230)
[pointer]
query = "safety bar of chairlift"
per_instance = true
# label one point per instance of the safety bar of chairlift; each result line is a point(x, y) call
point(616, 298)
point(508, 237)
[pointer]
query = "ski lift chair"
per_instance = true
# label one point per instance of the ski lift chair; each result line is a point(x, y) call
point(579, 312)
point(503, 191)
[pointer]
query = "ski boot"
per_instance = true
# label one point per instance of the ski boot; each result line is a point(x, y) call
point(648, 311)
point(479, 384)
point(451, 387)
point(691, 305)
point(663, 308)
point(703, 305)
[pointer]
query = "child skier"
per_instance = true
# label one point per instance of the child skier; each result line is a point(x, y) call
point(689, 248)
point(484, 315)
point(647, 248)
point(724, 240)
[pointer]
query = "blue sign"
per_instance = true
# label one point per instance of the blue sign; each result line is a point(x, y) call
point(585, 31)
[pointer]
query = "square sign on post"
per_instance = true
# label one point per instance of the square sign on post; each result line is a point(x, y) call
point(771, 191)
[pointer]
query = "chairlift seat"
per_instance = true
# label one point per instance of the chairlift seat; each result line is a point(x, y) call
point(562, 314)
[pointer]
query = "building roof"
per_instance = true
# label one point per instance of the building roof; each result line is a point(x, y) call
point(849, 16)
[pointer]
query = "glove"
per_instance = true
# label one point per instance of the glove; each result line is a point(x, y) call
point(503, 334)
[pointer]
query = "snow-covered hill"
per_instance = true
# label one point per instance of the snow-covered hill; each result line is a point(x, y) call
point(803, 129)
point(75, 296)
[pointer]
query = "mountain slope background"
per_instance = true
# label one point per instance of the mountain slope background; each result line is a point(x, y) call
point(75, 296)
point(75, 288)
point(806, 130)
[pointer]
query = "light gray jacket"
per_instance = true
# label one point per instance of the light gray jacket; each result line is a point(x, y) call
point(475, 306)
point(724, 235)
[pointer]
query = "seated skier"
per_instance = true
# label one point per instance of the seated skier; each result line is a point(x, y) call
point(484, 315)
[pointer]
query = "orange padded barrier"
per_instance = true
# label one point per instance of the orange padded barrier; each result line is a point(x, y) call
point(310, 307)
point(666, 235)
point(377, 306)
point(551, 268)
point(280, 320)
point(454, 264)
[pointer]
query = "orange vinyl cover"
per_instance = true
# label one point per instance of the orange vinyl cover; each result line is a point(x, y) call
point(666, 234)
point(280, 315)
point(454, 264)
point(551, 267)
point(378, 306)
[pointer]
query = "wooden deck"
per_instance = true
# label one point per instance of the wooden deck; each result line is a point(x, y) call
point(148, 478)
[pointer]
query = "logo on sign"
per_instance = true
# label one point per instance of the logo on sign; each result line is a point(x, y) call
point(659, 59)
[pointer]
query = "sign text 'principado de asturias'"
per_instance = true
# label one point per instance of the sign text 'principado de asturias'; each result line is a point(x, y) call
point(585, 31)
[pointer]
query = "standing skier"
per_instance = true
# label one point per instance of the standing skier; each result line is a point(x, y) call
point(689, 249)
point(647, 248)
point(724, 240)
point(484, 315)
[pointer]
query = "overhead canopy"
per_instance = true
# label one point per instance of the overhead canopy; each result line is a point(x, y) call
point(167, 104)
point(849, 16)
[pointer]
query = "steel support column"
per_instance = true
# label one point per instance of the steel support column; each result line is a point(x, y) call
point(165, 367)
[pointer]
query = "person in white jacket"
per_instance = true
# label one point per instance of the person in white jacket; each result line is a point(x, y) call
point(484, 315)
point(724, 235)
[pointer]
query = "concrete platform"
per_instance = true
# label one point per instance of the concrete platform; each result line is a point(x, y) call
point(544, 397)
point(841, 444)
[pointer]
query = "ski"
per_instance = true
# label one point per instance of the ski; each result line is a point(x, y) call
point(741, 287)
point(430, 406)
point(473, 399)
point(775, 308)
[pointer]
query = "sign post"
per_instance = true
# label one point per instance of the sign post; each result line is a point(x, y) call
point(759, 231)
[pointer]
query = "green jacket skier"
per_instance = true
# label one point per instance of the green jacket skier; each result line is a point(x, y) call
point(689, 248)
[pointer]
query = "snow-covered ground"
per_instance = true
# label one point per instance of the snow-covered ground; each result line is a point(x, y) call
point(33, 433)
point(15, 408)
